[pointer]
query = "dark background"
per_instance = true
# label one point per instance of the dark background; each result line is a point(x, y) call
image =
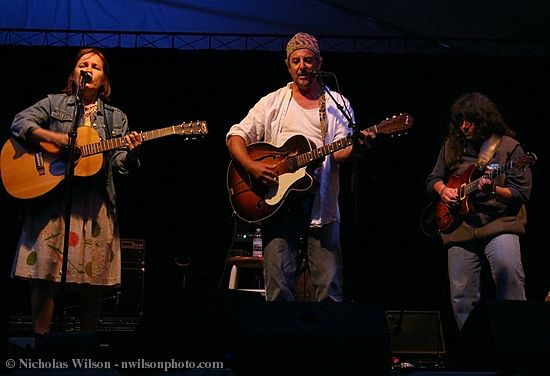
point(178, 202)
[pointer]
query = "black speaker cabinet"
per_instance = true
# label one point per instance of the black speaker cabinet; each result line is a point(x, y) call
point(512, 337)
point(128, 299)
point(416, 332)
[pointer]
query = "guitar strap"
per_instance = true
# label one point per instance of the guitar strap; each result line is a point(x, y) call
point(323, 114)
point(488, 150)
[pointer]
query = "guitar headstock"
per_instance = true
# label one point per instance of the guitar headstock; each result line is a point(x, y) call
point(524, 160)
point(193, 129)
point(397, 124)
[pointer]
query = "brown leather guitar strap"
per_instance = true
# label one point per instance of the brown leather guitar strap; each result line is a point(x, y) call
point(488, 150)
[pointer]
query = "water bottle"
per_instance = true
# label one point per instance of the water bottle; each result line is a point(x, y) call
point(257, 245)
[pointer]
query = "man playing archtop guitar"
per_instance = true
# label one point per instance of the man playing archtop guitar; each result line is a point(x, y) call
point(302, 107)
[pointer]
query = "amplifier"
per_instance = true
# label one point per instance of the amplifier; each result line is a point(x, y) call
point(133, 252)
point(128, 299)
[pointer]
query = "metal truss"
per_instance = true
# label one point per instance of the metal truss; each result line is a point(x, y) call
point(272, 42)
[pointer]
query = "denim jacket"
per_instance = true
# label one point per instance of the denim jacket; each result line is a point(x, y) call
point(56, 112)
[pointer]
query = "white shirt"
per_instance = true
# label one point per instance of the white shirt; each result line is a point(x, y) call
point(269, 121)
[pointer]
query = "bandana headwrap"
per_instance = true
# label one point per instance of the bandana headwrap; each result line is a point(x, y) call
point(302, 40)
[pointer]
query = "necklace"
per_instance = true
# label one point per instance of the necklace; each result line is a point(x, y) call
point(322, 114)
point(90, 109)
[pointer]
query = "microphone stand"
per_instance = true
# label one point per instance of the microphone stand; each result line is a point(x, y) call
point(357, 135)
point(69, 174)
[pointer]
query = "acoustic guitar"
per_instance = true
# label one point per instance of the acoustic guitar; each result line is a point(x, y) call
point(29, 172)
point(253, 201)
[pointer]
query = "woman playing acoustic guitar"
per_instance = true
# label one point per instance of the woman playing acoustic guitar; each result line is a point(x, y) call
point(93, 241)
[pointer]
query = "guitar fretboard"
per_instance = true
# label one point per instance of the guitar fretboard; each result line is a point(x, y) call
point(198, 128)
point(307, 157)
point(518, 162)
point(388, 126)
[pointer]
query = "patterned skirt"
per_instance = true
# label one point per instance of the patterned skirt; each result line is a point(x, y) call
point(94, 242)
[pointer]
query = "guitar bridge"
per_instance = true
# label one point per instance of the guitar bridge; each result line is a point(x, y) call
point(39, 163)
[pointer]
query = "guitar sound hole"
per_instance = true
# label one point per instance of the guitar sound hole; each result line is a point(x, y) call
point(57, 168)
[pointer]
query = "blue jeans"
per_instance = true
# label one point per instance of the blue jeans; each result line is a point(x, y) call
point(465, 262)
point(283, 236)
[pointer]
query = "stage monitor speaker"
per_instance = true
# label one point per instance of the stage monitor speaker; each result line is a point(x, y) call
point(416, 332)
point(512, 337)
point(303, 337)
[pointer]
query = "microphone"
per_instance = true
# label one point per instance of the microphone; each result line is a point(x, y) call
point(319, 74)
point(85, 76)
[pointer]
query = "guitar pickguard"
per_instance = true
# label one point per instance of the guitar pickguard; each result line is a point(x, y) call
point(277, 192)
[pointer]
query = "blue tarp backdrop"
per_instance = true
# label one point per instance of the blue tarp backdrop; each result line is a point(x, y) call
point(235, 16)
point(396, 26)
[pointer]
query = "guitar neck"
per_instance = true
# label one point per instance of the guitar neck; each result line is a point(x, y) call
point(308, 157)
point(388, 126)
point(472, 186)
point(115, 143)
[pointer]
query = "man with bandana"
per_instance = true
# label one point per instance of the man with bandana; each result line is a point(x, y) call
point(309, 220)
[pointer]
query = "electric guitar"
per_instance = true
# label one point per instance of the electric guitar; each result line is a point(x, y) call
point(254, 201)
point(29, 172)
point(447, 217)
